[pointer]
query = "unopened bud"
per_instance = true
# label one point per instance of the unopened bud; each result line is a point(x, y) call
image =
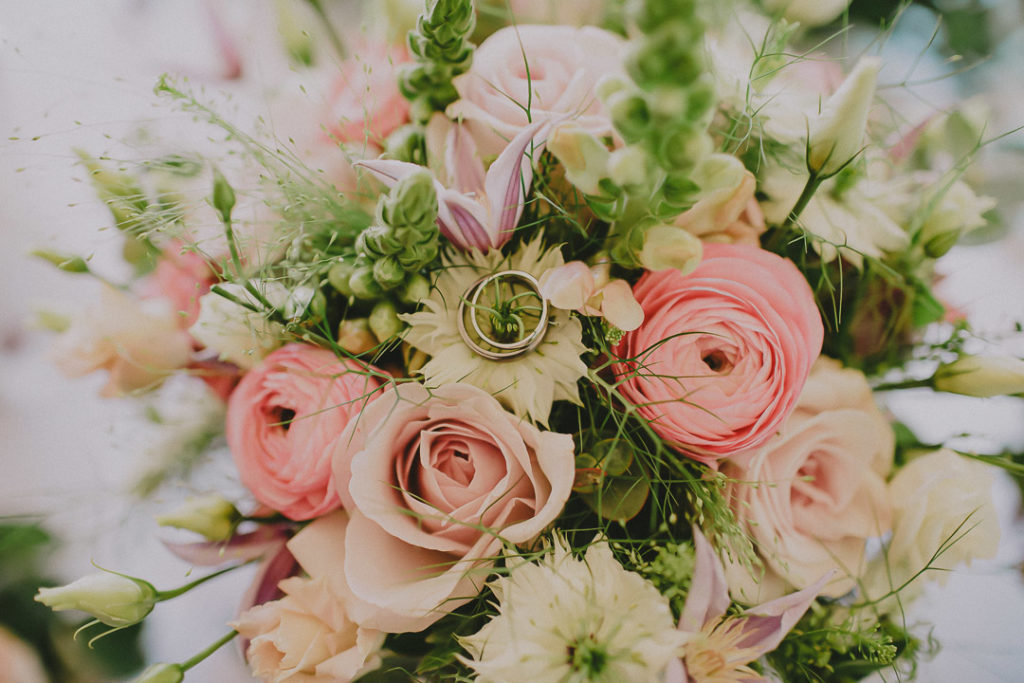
point(388, 273)
point(838, 133)
point(407, 144)
point(629, 113)
point(113, 599)
point(363, 285)
point(412, 201)
point(981, 376)
point(416, 289)
point(668, 246)
point(338, 275)
point(629, 167)
point(223, 196)
point(584, 157)
point(384, 322)
point(162, 673)
point(210, 516)
point(354, 336)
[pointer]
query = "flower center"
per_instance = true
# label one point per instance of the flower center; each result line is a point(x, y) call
point(587, 656)
point(503, 315)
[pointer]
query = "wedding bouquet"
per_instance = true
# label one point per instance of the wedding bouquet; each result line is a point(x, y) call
point(551, 353)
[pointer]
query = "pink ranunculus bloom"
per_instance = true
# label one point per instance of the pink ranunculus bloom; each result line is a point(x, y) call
point(723, 352)
point(820, 489)
point(365, 104)
point(308, 636)
point(284, 420)
point(552, 70)
point(434, 482)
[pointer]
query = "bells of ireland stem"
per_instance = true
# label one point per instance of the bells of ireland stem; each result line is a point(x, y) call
point(981, 376)
point(162, 673)
point(837, 135)
point(114, 599)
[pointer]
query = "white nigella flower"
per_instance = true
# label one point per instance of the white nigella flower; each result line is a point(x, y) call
point(568, 619)
point(527, 384)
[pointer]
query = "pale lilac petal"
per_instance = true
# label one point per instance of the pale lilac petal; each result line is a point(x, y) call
point(568, 286)
point(675, 672)
point(619, 307)
point(768, 624)
point(389, 171)
point(508, 180)
point(465, 168)
point(465, 222)
point(241, 547)
point(709, 593)
point(274, 569)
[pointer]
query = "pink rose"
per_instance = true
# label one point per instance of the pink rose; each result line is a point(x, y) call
point(564, 65)
point(820, 491)
point(308, 636)
point(365, 104)
point(284, 419)
point(723, 352)
point(434, 482)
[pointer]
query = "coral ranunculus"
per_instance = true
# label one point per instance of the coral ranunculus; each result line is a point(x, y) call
point(434, 481)
point(284, 419)
point(723, 352)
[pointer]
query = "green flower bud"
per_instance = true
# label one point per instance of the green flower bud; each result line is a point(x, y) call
point(416, 289)
point(411, 202)
point(838, 133)
point(679, 191)
point(339, 275)
point(981, 376)
point(609, 85)
point(363, 285)
point(384, 322)
point(377, 241)
point(630, 114)
point(407, 144)
point(113, 599)
point(162, 673)
point(940, 244)
point(388, 273)
point(630, 167)
point(354, 336)
point(223, 196)
point(211, 516)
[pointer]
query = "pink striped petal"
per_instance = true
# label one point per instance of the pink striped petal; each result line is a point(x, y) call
point(768, 624)
point(709, 593)
point(241, 547)
point(508, 180)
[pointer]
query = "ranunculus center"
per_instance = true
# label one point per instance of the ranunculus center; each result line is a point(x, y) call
point(716, 360)
point(282, 417)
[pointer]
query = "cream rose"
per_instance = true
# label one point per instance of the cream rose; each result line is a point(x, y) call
point(552, 70)
point(812, 496)
point(726, 210)
point(435, 481)
point(940, 500)
point(137, 341)
point(308, 636)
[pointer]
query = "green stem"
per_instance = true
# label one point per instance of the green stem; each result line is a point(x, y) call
point(332, 33)
point(907, 384)
point(813, 182)
point(221, 642)
point(229, 234)
point(167, 595)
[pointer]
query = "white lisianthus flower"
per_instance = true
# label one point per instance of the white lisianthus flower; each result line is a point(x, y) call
point(527, 384)
point(240, 335)
point(569, 619)
point(856, 224)
point(942, 516)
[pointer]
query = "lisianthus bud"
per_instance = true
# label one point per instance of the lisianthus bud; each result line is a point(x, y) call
point(838, 133)
point(210, 516)
point(113, 599)
point(69, 263)
point(629, 167)
point(584, 157)
point(223, 196)
point(384, 322)
point(162, 673)
point(354, 336)
point(981, 376)
point(666, 246)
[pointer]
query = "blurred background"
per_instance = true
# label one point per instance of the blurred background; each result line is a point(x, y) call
point(77, 75)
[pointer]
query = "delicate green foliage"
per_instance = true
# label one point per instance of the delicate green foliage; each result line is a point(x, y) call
point(671, 570)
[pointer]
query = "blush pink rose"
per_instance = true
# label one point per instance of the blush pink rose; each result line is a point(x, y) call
point(551, 69)
point(820, 489)
point(434, 481)
point(365, 104)
point(723, 352)
point(284, 419)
